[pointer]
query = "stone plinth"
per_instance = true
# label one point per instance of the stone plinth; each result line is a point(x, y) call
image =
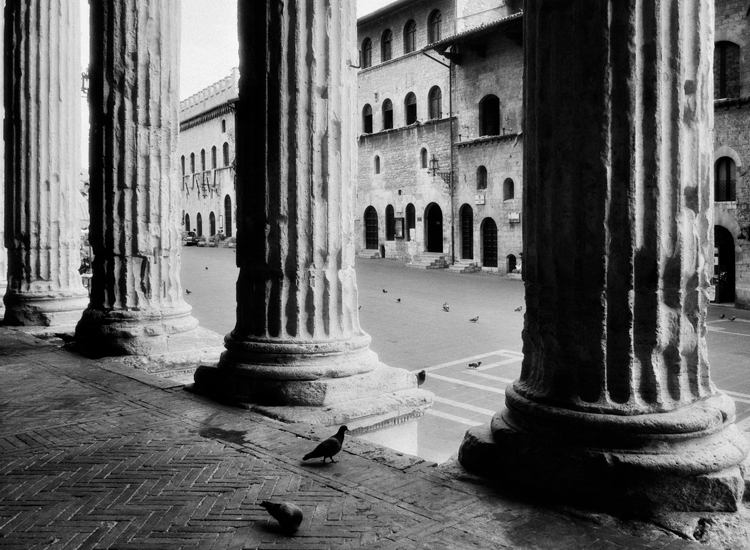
point(615, 400)
point(137, 307)
point(42, 77)
point(298, 345)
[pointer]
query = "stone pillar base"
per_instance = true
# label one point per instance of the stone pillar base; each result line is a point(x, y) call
point(102, 334)
point(380, 398)
point(683, 461)
point(44, 309)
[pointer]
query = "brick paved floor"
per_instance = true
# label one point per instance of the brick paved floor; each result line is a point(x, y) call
point(96, 455)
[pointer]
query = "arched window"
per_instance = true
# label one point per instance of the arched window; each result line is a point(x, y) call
point(423, 158)
point(223, 126)
point(212, 224)
point(386, 42)
point(725, 182)
point(213, 157)
point(510, 263)
point(187, 222)
point(434, 26)
point(489, 116)
point(228, 215)
point(436, 103)
point(199, 224)
point(203, 160)
point(410, 105)
point(192, 163)
point(387, 114)
point(182, 164)
point(367, 119)
point(366, 53)
point(410, 36)
point(481, 177)
point(509, 191)
point(390, 223)
point(726, 70)
point(411, 220)
point(225, 151)
point(377, 164)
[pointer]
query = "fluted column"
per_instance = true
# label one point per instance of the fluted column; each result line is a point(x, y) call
point(297, 340)
point(42, 162)
point(615, 390)
point(3, 251)
point(137, 305)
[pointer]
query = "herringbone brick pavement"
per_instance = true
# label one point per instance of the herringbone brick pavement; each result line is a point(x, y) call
point(93, 459)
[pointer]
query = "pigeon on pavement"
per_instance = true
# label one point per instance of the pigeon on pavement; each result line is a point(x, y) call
point(398, 300)
point(722, 316)
point(385, 291)
point(421, 376)
point(474, 319)
point(188, 291)
point(287, 514)
point(733, 318)
point(445, 307)
point(474, 365)
point(519, 308)
point(328, 448)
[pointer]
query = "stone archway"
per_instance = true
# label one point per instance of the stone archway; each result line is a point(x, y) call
point(467, 232)
point(433, 226)
point(724, 266)
point(489, 243)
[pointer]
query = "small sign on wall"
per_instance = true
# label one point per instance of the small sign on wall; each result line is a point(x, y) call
point(514, 217)
point(478, 199)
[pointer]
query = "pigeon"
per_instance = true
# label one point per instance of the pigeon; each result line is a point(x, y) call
point(360, 307)
point(188, 291)
point(445, 307)
point(733, 318)
point(398, 300)
point(722, 316)
point(206, 267)
point(287, 514)
point(421, 376)
point(474, 365)
point(519, 308)
point(385, 291)
point(474, 319)
point(329, 447)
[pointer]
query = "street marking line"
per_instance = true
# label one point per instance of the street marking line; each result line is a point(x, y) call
point(502, 352)
point(722, 331)
point(490, 377)
point(743, 424)
point(453, 417)
point(736, 394)
point(468, 384)
point(501, 363)
point(466, 406)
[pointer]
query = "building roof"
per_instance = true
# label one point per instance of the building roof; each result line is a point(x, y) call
point(386, 9)
point(442, 45)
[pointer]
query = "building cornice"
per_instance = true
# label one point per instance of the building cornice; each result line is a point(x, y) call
point(213, 113)
point(484, 140)
point(403, 128)
point(737, 102)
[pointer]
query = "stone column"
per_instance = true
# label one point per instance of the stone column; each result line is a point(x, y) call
point(42, 152)
point(3, 252)
point(297, 340)
point(137, 307)
point(615, 399)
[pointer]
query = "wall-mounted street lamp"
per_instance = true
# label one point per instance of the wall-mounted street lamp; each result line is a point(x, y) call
point(85, 84)
point(434, 170)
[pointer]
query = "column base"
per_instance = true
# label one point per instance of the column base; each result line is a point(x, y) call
point(107, 334)
point(377, 399)
point(617, 463)
point(44, 309)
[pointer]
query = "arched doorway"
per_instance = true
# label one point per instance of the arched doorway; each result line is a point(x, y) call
point(187, 222)
point(511, 263)
point(371, 228)
point(433, 227)
point(228, 215)
point(724, 266)
point(489, 243)
point(467, 232)
point(212, 224)
point(199, 224)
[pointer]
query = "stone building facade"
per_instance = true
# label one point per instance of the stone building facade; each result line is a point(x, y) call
point(435, 178)
point(732, 154)
point(206, 150)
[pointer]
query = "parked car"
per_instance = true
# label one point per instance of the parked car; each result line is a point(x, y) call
point(189, 238)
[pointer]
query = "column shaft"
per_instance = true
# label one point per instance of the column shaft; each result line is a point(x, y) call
point(42, 169)
point(297, 292)
point(136, 297)
point(615, 394)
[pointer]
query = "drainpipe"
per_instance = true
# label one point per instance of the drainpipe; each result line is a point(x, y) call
point(452, 181)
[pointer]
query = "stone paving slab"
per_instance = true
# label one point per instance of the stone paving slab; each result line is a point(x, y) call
point(95, 457)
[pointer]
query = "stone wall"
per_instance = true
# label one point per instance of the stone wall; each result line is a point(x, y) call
point(731, 26)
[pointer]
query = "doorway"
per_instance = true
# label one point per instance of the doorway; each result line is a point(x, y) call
point(489, 243)
point(433, 225)
point(723, 265)
point(371, 228)
point(467, 232)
